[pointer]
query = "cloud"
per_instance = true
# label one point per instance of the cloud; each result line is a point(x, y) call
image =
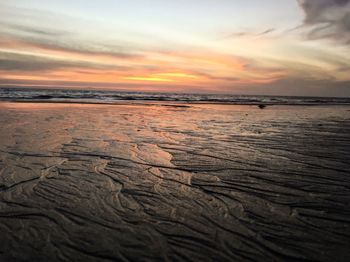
point(49, 42)
point(328, 19)
point(31, 63)
point(250, 33)
point(309, 87)
point(287, 86)
point(293, 86)
point(116, 86)
point(267, 31)
point(49, 31)
point(39, 31)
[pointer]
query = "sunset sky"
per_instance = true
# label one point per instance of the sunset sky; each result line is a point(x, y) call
point(286, 47)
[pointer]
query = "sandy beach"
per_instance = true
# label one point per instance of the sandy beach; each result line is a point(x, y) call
point(166, 182)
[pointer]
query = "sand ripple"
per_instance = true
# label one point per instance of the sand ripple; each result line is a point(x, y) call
point(201, 183)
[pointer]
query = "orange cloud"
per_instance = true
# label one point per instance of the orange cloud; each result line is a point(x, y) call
point(35, 60)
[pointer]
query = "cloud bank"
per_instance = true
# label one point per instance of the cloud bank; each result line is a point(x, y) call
point(329, 19)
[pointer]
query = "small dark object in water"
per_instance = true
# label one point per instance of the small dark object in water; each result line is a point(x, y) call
point(262, 106)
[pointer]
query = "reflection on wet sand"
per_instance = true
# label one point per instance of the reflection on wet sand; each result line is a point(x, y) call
point(154, 182)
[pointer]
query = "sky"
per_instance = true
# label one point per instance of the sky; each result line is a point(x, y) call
point(270, 47)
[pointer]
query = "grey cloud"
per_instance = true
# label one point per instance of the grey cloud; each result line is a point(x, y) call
point(15, 65)
point(50, 41)
point(268, 31)
point(311, 87)
point(40, 29)
point(121, 86)
point(31, 63)
point(296, 86)
point(48, 32)
point(228, 79)
point(328, 19)
point(214, 77)
point(292, 86)
point(344, 69)
point(249, 33)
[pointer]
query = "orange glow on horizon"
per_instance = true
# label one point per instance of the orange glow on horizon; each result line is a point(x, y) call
point(145, 78)
point(199, 67)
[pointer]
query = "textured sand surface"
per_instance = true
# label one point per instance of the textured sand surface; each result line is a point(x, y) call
point(169, 183)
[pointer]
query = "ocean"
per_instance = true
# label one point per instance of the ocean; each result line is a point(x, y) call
point(106, 97)
point(111, 176)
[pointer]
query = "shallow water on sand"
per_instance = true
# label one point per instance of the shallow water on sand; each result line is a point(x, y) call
point(177, 183)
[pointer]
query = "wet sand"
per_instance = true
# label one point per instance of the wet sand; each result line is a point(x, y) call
point(169, 183)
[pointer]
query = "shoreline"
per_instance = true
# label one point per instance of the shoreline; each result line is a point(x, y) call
point(159, 175)
point(167, 103)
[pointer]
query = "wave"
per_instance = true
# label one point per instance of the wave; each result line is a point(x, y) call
point(103, 97)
